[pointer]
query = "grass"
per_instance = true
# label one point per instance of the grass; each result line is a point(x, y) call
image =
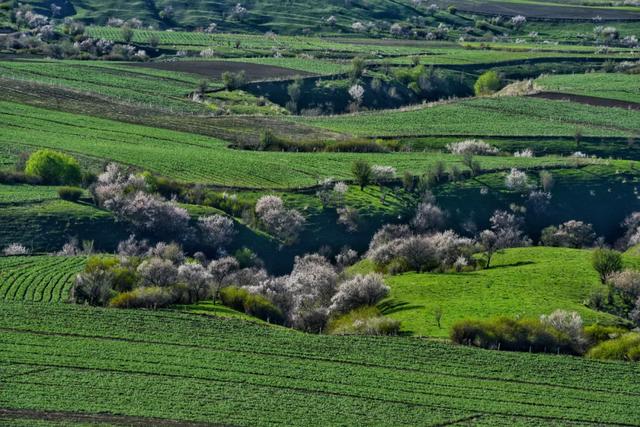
point(176, 366)
point(513, 116)
point(520, 282)
point(47, 225)
point(623, 87)
point(195, 158)
point(38, 278)
point(136, 85)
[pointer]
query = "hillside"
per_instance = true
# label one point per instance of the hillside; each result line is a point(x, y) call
point(521, 282)
point(74, 364)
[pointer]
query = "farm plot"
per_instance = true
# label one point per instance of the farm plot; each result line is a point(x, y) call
point(214, 69)
point(199, 159)
point(541, 11)
point(252, 45)
point(507, 116)
point(613, 86)
point(38, 278)
point(21, 194)
point(166, 91)
point(93, 362)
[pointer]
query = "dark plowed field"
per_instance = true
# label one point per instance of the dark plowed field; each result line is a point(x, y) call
point(214, 69)
point(535, 11)
point(589, 100)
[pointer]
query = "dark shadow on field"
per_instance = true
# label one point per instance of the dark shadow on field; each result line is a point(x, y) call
point(514, 264)
point(394, 305)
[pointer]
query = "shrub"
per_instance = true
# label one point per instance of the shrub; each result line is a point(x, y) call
point(571, 234)
point(71, 194)
point(363, 321)
point(93, 287)
point(359, 291)
point(254, 305)
point(157, 272)
point(626, 347)
point(568, 323)
point(362, 173)
point(488, 83)
point(151, 297)
point(503, 333)
point(516, 180)
point(285, 224)
point(216, 230)
point(606, 262)
point(429, 217)
point(471, 146)
point(15, 249)
point(596, 334)
point(54, 167)
point(260, 307)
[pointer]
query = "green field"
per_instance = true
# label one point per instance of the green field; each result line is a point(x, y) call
point(507, 116)
point(520, 282)
point(624, 87)
point(196, 158)
point(38, 278)
point(47, 225)
point(127, 84)
point(102, 362)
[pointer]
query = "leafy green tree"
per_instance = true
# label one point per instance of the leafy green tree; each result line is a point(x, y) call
point(54, 167)
point(362, 173)
point(487, 83)
point(605, 262)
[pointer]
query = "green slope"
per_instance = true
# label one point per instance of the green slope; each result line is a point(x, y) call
point(196, 158)
point(521, 282)
point(99, 363)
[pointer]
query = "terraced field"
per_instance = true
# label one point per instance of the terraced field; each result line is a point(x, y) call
point(126, 84)
point(38, 278)
point(513, 116)
point(100, 363)
point(623, 87)
point(195, 158)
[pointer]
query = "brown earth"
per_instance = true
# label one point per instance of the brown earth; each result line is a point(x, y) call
point(78, 417)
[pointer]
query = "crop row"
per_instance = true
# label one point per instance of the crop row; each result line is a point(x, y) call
point(126, 85)
point(200, 159)
point(214, 370)
point(506, 116)
point(38, 278)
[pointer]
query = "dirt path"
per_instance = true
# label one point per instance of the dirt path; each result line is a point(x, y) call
point(589, 100)
point(101, 418)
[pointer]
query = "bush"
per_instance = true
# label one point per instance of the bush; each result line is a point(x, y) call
point(54, 167)
point(359, 291)
point(71, 194)
point(254, 305)
point(571, 234)
point(93, 287)
point(597, 334)
point(512, 335)
point(15, 249)
point(363, 321)
point(488, 83)
point(152, 297)
point(606, 262)
point(627, 347)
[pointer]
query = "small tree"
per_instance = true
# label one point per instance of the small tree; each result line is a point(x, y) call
point(127, 34)
point(488, 83)
point(606, 262)
point(362, 172)
point(54, 167)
